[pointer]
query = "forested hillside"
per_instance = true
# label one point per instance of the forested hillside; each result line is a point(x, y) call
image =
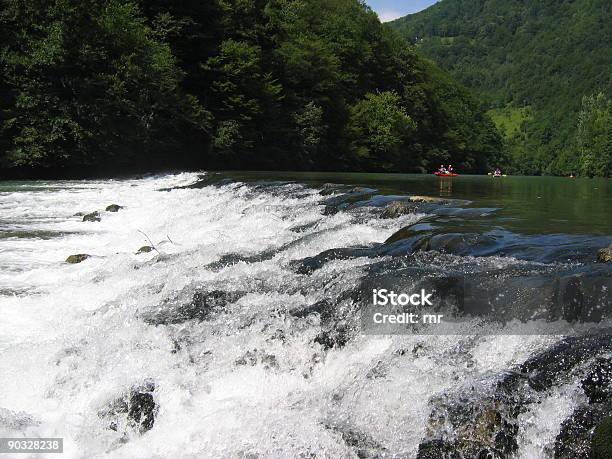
point(118, 85)
point(539, 65)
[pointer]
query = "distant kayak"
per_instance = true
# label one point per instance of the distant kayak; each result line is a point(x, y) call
point(442, 174)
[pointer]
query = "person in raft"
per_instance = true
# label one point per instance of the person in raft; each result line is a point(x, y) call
point(449, 169)
point(497, 172)
point(442, 169)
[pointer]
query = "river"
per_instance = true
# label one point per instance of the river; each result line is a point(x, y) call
point(241, 333)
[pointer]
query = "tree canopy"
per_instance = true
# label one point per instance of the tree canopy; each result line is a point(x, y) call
point(120, 85)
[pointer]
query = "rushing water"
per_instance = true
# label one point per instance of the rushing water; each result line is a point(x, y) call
point(239, 334)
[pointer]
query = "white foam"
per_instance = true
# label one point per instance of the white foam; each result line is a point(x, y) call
point(75, 340)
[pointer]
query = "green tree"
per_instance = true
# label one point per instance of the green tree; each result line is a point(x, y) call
point(90, 83)
point(242, 92)
point(594, 136)
point(379, 127)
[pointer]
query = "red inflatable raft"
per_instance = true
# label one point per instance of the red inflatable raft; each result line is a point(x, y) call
point(442, 174)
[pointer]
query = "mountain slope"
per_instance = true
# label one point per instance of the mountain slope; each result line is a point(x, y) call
point(532, 61)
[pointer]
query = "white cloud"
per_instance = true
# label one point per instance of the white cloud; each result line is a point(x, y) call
point(389, 15)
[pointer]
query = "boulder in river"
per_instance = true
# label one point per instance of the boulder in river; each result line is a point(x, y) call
point(136, 409)
point(77, 258)
point(114, 208)
point(398, 208)
point(141, 410)
point(605, 255)
point(92, 217)
point(145, 249)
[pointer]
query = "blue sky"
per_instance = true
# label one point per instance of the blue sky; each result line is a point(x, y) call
point(393, 9)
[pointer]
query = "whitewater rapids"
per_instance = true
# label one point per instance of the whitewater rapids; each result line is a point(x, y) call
point(250, 380)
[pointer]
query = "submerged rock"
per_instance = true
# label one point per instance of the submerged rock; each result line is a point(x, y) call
point(361, 443)
point(605, 255)
point(334, 337)
point(199, 306)
point(113, 208)
point(598, 383)
point(483, 421)
point(145, 249)
point(141, 411)
point(77, 258)
point(92, 217)
point(575, 435)
point(602, 440)
point(254, 357)
point(136, 409)
point(398, 208)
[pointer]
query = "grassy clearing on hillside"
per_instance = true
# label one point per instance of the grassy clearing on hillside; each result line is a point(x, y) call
point(510, 119)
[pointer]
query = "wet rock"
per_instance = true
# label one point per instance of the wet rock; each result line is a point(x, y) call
point(334, 337)
point(254, 357)
point(398, 208)
point(141, 411)
point(360, 190)
point(92, 217)
point(323, 308)
point(135, 410)
point(598, 383)
point(482, 420)
point(437, 449)
point(311, 264)
point(602, 440)
point(479, 429)
point(77, 258)
point(572, 299)
point(574, 438)
point(145, 249)
point(329, 188)
point(330, 210)
point(605, 255)
point(80, 214)
point(200, 306)
point(113, 208)
point(364, 446)
point(542, 371)
point(346, 199)
point(429, 199)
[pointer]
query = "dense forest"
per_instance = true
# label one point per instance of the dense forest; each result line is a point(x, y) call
point(103, 86)
point(543, 68)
